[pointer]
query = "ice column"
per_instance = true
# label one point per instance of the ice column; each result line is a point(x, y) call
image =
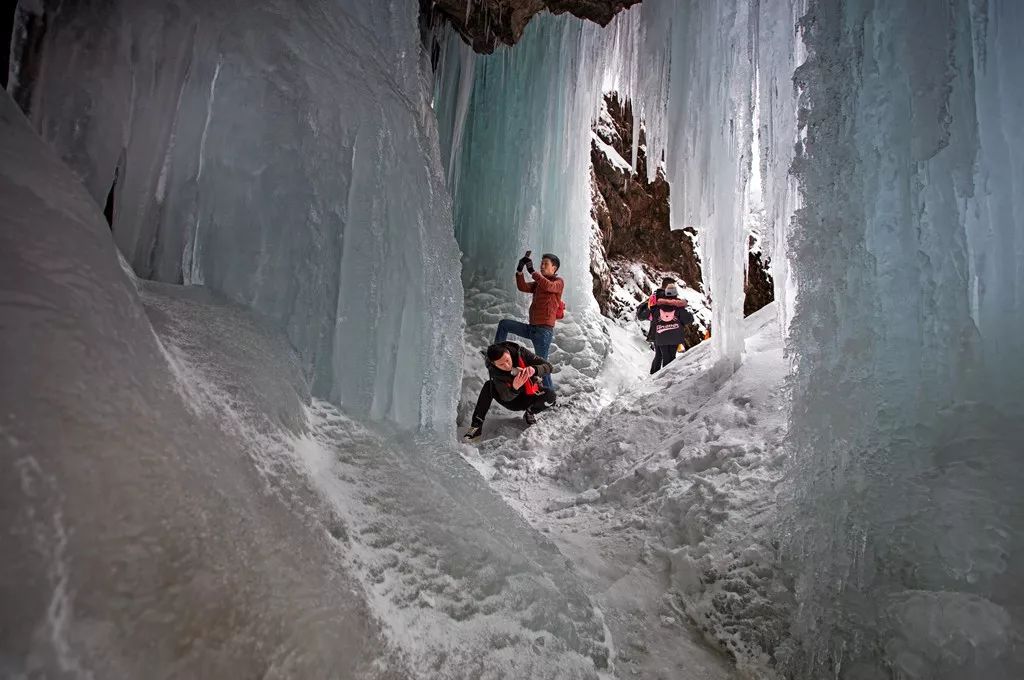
point(779, 51)
point(907, 337)
point(282, 154)
point(708, 135)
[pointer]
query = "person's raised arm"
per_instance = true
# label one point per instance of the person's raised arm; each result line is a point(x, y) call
point(522, 284)
point(546, 285)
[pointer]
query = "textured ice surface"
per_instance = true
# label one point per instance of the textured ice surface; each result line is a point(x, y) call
point(145, 508)
point(284, 155)
point(908, 335)
point(466, 588)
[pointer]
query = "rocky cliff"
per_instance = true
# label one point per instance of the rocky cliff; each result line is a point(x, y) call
point(485, 24)
point(758, 288)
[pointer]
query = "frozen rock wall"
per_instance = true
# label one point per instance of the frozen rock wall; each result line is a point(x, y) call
point(483, 24)
point(631, 212)
point(284, 155)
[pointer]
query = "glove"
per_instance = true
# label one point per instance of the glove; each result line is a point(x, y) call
point(529, 265)
point(522, 263)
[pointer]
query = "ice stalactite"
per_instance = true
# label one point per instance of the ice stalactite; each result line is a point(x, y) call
point(779, 50)
point(289, 165)
point(907, 337)
point(707, 136)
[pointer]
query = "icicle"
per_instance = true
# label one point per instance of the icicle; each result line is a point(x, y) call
point(634, 152)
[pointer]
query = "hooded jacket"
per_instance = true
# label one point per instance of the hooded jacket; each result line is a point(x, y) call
point(502, 380)
point(547, 293)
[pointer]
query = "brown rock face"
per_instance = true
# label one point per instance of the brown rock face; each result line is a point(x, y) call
point(758, 289)
point(632, 214)
point(486, 23)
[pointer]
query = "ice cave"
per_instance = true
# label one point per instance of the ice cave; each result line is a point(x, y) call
point(266, 267)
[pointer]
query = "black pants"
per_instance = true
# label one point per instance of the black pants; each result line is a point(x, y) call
point(663, 356)
point(523, 401)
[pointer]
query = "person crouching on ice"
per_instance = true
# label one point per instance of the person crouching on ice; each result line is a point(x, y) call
point(514, 372)
point(545, 309)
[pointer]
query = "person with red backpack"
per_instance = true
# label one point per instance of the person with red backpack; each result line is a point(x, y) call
point(668, 315)
point(514, 373)
point(545, 308)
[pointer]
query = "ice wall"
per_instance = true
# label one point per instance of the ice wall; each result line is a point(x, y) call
point(908, 335)
point(143, 535)
point(518, 141)
point(706, 135)
point(283, 154)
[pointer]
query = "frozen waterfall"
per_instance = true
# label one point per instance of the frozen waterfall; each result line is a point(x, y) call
point(305, 162)
point(282, 154)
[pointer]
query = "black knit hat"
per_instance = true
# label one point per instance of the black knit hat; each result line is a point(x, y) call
point(554, 260)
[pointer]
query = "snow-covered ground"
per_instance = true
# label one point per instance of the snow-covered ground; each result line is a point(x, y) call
point(663, 497)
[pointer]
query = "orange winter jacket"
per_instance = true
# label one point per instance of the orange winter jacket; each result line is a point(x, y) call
point(547, 294)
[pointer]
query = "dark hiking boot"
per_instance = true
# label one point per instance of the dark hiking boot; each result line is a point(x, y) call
point(473, 433)
point(529, 417)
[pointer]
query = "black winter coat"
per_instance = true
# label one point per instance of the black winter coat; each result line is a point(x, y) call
point(502, 380)
point(667, 324)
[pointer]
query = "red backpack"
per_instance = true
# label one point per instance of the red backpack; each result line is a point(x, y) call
point(560, 312)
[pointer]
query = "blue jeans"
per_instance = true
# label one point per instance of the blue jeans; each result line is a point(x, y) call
point(540, 336)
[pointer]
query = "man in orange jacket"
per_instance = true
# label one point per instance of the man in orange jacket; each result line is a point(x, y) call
point(546, 307)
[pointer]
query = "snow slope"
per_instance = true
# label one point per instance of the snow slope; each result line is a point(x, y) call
point(665, 499)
